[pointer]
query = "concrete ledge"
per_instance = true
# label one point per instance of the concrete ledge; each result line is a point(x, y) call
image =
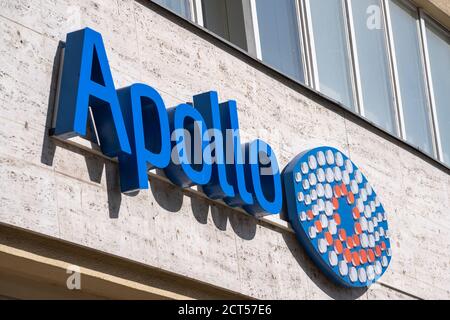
point(437, 9)
point(35, 267)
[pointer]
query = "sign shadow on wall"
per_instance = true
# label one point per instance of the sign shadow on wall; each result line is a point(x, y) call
point(95, 165)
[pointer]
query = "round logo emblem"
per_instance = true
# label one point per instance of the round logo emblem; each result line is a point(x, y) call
point(337, 216)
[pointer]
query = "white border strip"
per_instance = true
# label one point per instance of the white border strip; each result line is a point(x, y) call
point(395, 77)
point(197, 12)
point(359, 103)
point(312, 46)
point(257, 39)
point(430, 85)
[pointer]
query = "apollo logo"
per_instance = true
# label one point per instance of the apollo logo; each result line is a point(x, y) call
point(337, 216)
point(332, 208)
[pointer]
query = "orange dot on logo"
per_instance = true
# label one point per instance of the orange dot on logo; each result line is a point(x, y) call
point(347, 255)
point(356, 213)
point(350, 243)
point(371, 255)
point(363, 256)
point(377, 251)
point(342, 235)
point(335, 203)
point(329, 238)
point(310, 214)
point(350, 198)
point(383, 245)
point(337, 191)
point(358, 228)
point(318, 226)
point(356, 240)
point(337, 218)
point(355, 259)
point(338, 246)
point(344, 189)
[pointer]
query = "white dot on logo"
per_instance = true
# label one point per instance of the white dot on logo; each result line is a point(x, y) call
point(378, 268)
point(312, 162)
point(384, 261)
point(339, 159)
point(312, 232)
point(353, 275)
point(321, 158)
point(362, 276)
point(305, 184)
point(329, 175)
point(320, 190)
point(322, 244)
point(303, 216)
point(320, 175)
point(307, 199)
point(354, 187)
point(343, 268)
point(345, 177)
point(312, 179)
point(358, 176)
point(328, 191)
point(337, 173)
point(349, 166)
point(332, 227)
point(323, 221)
point(364, 240)
point(333, 258)
point(304, 168)
point(330, 157)
point(329, 208)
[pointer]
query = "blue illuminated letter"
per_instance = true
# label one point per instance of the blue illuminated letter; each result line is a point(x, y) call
point(208, 106)
point(263, 176)
point(87, 81)
point(189, 165)
point(147, 124)
point(233, 155)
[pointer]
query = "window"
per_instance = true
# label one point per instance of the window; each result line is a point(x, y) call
point(411, 75)
point(279, 36)
point(330, 50)
point(372, 55)
point(182, 7)
point(380, 58)
point(226, 19)
point(439, 58)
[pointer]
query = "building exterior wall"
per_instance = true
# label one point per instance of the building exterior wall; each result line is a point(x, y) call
point(35, 267)
point(438, 9)
point(72, 194)
point(442, 5)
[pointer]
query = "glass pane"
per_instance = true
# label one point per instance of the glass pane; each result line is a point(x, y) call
point(226, 19)
point(373, 61)
point(411, 76)
point(439, 52)
point(181, 7)
point(331, 50)
point(278, 32)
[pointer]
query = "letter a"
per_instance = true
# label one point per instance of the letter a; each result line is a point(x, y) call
point(87, 82)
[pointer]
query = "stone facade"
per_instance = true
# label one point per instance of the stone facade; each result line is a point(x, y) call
point(72, 194)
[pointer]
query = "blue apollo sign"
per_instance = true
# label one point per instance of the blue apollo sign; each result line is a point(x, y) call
point(332, 208)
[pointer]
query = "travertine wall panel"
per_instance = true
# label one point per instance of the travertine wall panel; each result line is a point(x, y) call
point(62, 191)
